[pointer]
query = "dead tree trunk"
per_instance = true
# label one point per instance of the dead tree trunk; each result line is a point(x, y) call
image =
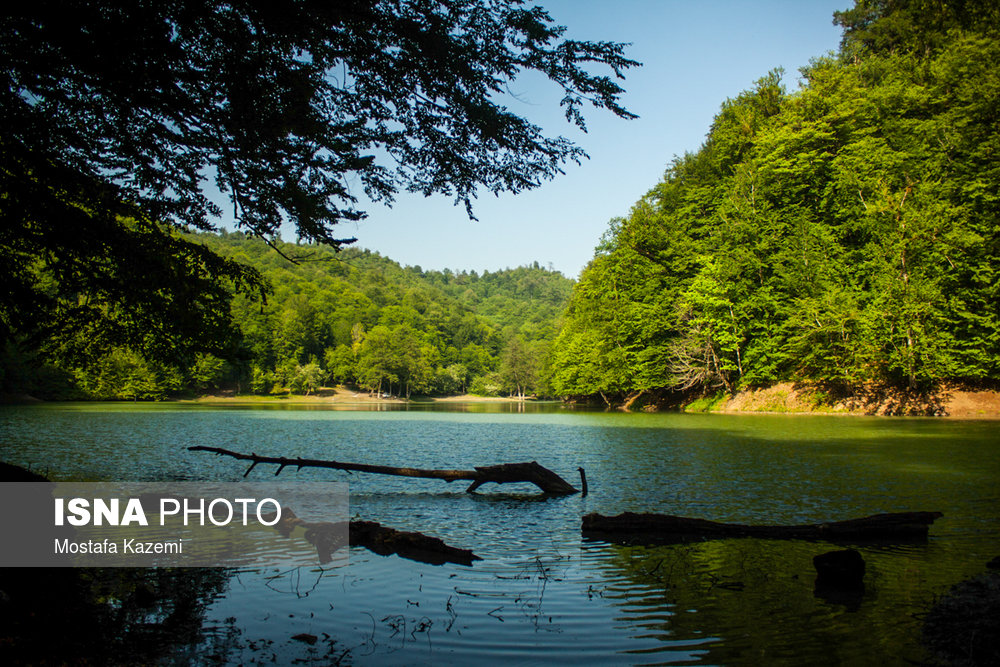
point(631, 399)
point(540, 476)
point(664, 528)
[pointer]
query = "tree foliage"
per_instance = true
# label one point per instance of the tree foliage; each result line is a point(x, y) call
point(113, 117)
point(845, 233)
point(343, 318)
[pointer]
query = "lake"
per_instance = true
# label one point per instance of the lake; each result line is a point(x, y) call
point(542, 593)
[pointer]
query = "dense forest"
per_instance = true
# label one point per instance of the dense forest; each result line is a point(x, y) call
point(329, 318)
point(120, 123)
point(844, 234)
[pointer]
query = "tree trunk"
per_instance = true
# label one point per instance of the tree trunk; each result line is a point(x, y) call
point(910, 363)
point(328, 537)
point(630, 527)
point(630, 400)
point(540, 476)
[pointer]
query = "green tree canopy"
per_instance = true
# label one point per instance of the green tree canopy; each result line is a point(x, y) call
point(114, 116)
point(846, 233)
point(886, 26)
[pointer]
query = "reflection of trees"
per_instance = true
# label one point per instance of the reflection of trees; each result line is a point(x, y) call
point(104, 615)
point(753, 601)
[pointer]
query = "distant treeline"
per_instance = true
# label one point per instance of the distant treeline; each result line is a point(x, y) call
point(351, 317)
point(843, 234)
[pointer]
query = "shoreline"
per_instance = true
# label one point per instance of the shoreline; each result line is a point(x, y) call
point(342, 396)
point(784, 398)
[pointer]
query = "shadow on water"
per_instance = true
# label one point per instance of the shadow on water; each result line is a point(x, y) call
point(749, 601)
point(107, 615)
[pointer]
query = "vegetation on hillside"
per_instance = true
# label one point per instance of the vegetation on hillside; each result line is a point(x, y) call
point(114, 116)
point(350, 317)
point(843, 234)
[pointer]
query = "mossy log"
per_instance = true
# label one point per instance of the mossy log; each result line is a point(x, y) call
point(631, 527)
point(546, 480)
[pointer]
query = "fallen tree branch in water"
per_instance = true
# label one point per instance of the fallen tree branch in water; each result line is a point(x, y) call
point(540, 476)
point(630, 527)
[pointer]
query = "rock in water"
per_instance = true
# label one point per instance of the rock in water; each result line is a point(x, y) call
point(840, 569)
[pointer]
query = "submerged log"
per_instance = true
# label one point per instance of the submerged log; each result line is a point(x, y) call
point(630, 527)
point(540, 476)
point(328, 537)
point(407, 544)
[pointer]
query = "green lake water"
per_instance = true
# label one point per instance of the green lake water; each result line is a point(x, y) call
point(542, 593)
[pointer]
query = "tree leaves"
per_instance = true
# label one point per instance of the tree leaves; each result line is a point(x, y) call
point(846, 233)
point(113, 118)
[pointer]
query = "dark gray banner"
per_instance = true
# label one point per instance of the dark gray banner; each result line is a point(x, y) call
point(176, 524)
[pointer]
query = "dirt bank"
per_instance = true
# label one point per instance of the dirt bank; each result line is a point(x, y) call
point(787, 397)
point(323, 395)
point(472, 398)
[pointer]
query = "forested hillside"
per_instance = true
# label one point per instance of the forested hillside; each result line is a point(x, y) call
point(350, 317)
point(844, 234)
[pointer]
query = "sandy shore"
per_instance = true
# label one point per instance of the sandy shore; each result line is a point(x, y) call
point(472, 398)
point(342, 395)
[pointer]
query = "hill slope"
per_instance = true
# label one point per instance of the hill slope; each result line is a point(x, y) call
point(846, 234)
point(330, 318)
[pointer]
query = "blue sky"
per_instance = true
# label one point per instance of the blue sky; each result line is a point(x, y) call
point(695, 55)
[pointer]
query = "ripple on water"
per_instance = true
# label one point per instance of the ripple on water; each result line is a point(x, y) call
point(542, 594)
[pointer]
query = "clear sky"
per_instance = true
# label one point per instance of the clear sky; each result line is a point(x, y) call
point(695, 54)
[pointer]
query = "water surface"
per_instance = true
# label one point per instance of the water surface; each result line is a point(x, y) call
point(541, 592)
